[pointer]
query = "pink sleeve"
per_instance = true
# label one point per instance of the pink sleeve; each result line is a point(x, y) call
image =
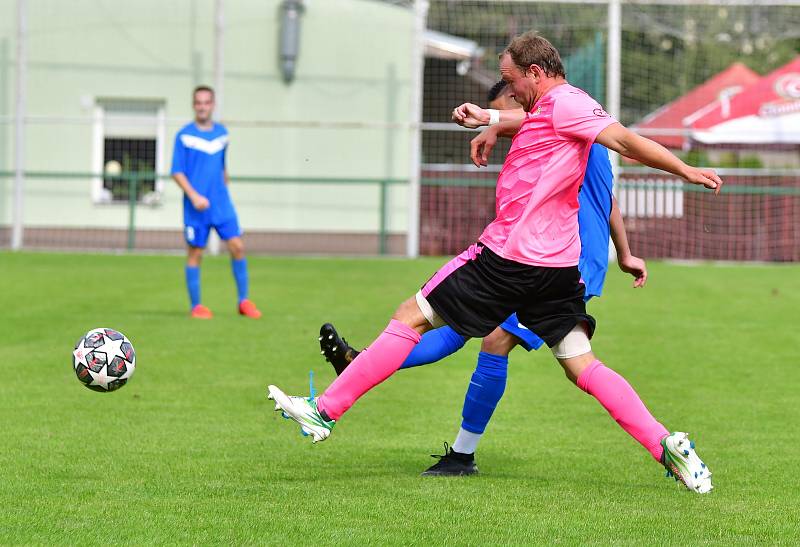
point(578, 116)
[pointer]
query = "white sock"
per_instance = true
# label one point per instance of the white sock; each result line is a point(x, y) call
point(466, 442)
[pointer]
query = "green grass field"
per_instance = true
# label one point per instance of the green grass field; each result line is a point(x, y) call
point(191, 452)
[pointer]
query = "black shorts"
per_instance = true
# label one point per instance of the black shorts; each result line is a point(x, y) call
point(478, 290)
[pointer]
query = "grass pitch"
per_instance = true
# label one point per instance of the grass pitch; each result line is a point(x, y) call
point(191, 452)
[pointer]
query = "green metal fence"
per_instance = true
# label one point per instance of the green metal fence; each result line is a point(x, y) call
point(135, 181)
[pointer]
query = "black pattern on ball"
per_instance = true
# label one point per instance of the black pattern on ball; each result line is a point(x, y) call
point(113, 334)
point(83, 374)
point(94, 340)
point(96, 360)
point(116, 384)
point(118, 367)
point(127, 351)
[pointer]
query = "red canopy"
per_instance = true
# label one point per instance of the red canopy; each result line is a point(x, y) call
point(680, 113)
point(767, 112)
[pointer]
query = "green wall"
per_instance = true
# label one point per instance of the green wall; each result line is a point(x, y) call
point(354, 66)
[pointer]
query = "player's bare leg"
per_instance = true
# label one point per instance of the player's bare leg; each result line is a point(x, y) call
point(239, 265)
point(194, 257)
point(317, 416)
point(674, 451)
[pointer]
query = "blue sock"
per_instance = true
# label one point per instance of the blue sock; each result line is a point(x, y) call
point(485, 390)
point(435, 345)
point(240, 274)
point(193, 284)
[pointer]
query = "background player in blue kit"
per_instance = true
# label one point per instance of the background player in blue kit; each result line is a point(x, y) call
point(598, 217)
point(198, 166)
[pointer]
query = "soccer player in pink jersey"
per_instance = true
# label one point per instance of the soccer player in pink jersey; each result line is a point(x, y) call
point(526, 261)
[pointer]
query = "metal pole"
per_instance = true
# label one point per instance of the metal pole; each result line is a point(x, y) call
point(417, 73)
point(614, 84)
point(219, 57)
point(133, 182)
point(614, 75)
point(383, 229)
point(219, 85)
point(19, 123)
point(391, 104)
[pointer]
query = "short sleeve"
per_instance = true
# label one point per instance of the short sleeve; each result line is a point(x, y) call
point(576, 115)
point(178, 156)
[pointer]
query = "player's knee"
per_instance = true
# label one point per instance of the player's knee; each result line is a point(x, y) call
point(409, 313)
point(574, 352)
point(194, 256)
point(236, 248)
point(574, 366)
point(499, 342)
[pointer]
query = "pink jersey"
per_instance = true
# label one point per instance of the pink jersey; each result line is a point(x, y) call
point(537, 191)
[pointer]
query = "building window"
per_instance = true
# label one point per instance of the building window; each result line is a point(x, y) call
point(129, 139)
point(123, 156)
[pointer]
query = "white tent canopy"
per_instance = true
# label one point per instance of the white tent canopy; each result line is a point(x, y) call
point(753, 129)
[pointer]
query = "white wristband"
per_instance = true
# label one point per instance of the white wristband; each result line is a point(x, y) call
point(494, 116)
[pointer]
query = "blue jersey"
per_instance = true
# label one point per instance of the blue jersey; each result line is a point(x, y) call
point(593, 219)
point(200, 155)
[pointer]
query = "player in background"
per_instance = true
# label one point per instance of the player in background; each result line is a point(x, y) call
point(526, 260)
point(596, 218)
point(198, 166)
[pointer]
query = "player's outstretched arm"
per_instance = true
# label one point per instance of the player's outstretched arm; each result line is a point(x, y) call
point(627, 262)
point(473, 116)
point(199, 202)
point(624, 141)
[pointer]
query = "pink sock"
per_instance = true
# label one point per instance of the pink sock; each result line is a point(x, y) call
point(621, 401)
point(372, 366)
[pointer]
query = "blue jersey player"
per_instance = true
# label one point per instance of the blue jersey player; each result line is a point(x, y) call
point(598, 217)
point(198, 166)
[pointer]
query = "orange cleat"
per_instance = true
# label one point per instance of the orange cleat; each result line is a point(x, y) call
point(246, 307)
point(201, 312)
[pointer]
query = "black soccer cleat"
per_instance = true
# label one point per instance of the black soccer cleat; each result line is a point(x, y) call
point(452, 464)
point(335, 348)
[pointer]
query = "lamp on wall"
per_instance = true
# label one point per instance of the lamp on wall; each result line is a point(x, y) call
point(291, 10)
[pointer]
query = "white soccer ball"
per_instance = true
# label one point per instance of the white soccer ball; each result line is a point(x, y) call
point(104, 359)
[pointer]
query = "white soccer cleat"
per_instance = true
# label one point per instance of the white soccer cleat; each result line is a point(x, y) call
point(302, 410)
point(683, 463)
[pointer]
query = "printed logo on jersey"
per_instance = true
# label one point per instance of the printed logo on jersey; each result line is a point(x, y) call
point(600, 113)
point(202, 145)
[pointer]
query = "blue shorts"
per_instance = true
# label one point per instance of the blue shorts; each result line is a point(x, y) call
point(197, 234)
point(527, 338)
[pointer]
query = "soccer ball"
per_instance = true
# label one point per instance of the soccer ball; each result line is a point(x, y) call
point(104, 359)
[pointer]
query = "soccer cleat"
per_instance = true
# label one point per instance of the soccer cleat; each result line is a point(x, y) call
point(247, 308)
point(201, 312)
point(683, 463)
point(302, 410)
point(452, 464)
point(335, 349)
